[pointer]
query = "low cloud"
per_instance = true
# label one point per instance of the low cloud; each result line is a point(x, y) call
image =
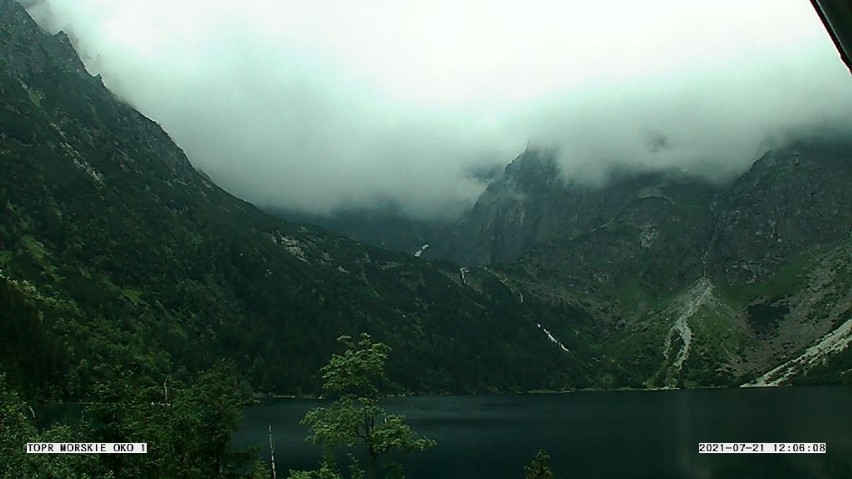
point(291, 107)
point(713, 121)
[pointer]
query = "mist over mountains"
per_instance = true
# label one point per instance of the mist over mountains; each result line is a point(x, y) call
point(324, 109)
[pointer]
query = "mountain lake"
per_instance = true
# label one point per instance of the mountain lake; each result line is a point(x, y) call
point(613, 434)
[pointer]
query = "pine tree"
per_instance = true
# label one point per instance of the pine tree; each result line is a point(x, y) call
point(539, 467)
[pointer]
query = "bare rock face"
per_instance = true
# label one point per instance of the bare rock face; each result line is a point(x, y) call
point(790, 202)
point(510, 216)
point(653, 227)
point(75, 106)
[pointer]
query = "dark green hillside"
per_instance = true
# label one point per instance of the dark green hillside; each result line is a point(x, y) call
point(133, 258)
point(24, 332)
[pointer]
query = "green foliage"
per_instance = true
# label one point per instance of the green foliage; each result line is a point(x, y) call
point(539, 467)
point(325, 471)
point(188, 432)
point(17, 429)
point(33, 357)
point(834, 370)
point(188, 437)
point(210, 411)
point(80, 466)
point(357, 373)
point(355, 470)
point(357, 418)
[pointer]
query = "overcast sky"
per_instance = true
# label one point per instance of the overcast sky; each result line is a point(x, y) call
point(318, 105)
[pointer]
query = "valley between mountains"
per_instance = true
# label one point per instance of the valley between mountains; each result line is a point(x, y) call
point(117, 254)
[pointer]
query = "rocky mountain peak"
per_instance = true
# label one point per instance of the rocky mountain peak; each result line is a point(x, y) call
point(533, 168)
point(26, 50)
point(531, 204)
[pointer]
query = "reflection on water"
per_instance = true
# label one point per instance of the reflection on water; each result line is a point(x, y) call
point(628, 434)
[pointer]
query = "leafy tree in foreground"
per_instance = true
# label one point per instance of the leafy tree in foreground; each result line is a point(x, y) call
point(539, 467)
point(188, 432)
point(17, 429)
point(355, 378)
point(187, 427)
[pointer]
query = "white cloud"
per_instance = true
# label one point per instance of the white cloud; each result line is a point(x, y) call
point(317, 105)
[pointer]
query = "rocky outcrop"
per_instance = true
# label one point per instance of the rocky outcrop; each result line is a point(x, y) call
point(791, 201)
point(771, 239)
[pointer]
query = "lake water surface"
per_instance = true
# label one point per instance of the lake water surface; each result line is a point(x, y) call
point(623, 434)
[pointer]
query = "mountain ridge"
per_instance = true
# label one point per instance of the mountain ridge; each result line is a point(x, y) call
point(129, 257)
point(116, 253)
point(649, 238)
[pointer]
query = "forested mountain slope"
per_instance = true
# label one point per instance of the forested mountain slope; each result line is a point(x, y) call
point(115, 251)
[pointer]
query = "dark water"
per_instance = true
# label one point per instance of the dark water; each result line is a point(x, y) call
point(623, 434)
